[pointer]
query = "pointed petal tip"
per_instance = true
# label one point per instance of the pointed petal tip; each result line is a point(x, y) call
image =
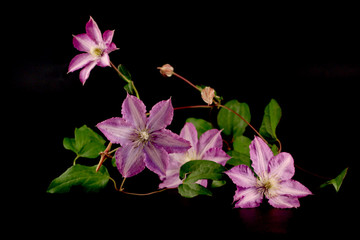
point(161, 115)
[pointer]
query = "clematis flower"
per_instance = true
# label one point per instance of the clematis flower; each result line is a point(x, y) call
point(273, 179)
point(144, 140)
point(208, 147)
point(96, 48)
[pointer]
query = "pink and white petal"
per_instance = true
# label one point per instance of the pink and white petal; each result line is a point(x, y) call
point(209, 139)
point(281, 166)
point(93, 31)
point(157, 159)
point(202, 182)
point(282, 201)
point(80, 61)
point(293, 188)
point(171, 181)
point(188, 132)
point(217, 155)
point(171, 142)
point(117, 130)
point(242, 176)
point(260, 154)
point(83, 42)
point(111, 47)
point(134, 111)
point(85, 73)
point(247, 197)
point(161, 115)
point(108, 36)
point(104, 60)
point(130, 160)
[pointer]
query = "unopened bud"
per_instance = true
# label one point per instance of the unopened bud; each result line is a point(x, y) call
point(208, 95)
point(166, 70)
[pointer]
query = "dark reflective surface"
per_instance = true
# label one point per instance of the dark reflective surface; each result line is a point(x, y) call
point(268, 220)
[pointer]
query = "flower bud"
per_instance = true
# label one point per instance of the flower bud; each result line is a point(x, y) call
point(208, 94)
point(166, 70)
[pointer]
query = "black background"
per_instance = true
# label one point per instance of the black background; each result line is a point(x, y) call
point(304, 56)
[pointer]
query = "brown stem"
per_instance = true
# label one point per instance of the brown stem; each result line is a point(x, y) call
point(196, 106)
point(121, 189)
point(311, 173)
point(117, 70)
point(104, 156)
point(187, 81)
point(143, 194)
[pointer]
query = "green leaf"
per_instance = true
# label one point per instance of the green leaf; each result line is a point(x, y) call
point(271, 119)
point(79, 175)
point(193, 190)
point(125, 73)
point(195, 170)
point(86, 143)
point(238, 158)
point(201, 125)
point(230, 122)
point(113, 161)
point(241, 144)
point(69, 144)
point(129, 88)
point(274, 149)
point(336, 182)
point(217, 183)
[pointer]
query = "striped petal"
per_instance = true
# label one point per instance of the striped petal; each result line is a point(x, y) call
point(93, 31)
point(242, 176)
point(108, 36)
point(217, 155)
point(260, 154)
point(157, 159)
point(293, 188)
point(284, 202)
point(130, 160)
point(83, 42)
point(282, 166)
point(104, 60)
point(170, 141)
point(209, 139)
point(85, 73)
point(117, 130)
point(247, 197)
point(161, 115)
point(134, 111)
point(80, 61)
point(189, 133)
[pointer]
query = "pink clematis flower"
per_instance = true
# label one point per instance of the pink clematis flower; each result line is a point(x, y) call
point(96, 47)
point(208, 147)
point(273, 179)
point(144, 140)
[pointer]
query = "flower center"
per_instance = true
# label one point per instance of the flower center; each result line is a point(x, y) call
point(267, 186)
point(96, 51)
point(191, 155)
point(143, 136)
